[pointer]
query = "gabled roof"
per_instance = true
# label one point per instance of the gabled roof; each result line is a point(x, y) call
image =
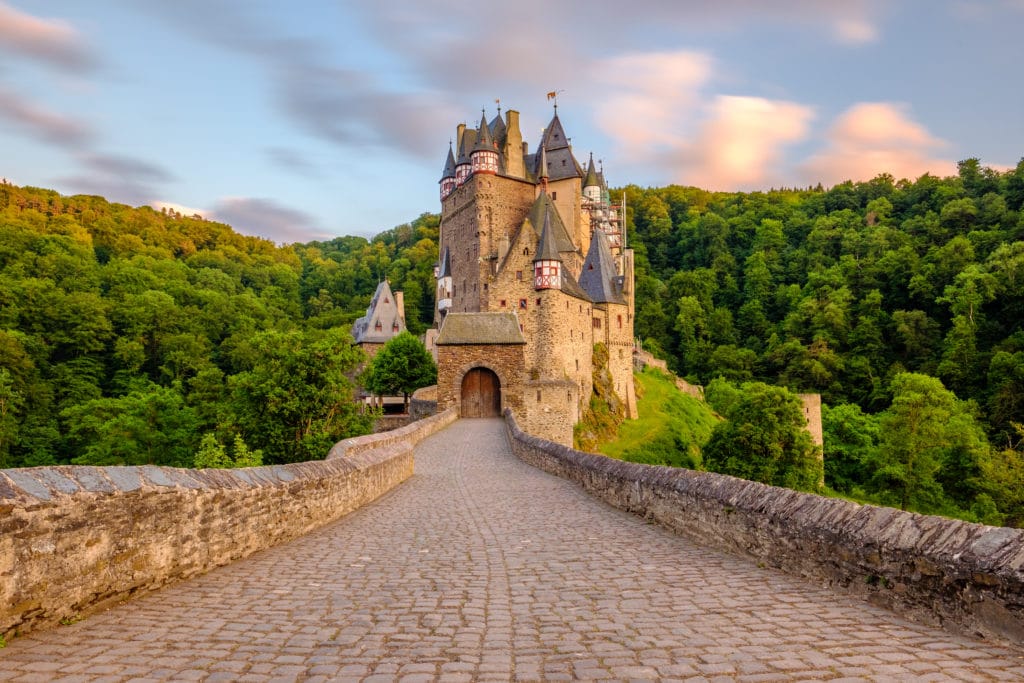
point(445, 269)
point(498, 327)
point(546, 250)
point(499, 131)
point(383, 309)
point(599, 277)
point(542, 206)
point(449, 165)
point(561, 163)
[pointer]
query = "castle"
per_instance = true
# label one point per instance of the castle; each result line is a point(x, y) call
point(533, 271)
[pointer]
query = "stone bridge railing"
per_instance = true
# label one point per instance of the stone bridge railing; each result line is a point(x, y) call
point(969, 577)
point(74, 538)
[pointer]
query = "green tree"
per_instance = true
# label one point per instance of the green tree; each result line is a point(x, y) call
point(402, 366)
point(925, 427)
point(764, 438)
point(295, 401)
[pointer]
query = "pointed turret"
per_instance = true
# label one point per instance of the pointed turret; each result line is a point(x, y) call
point(463, 166)
point(555, 145)
point(547, 264)
point(542, 172)
point(484, 157)
point(448, 174)
point(592, 184)
point(444, 283)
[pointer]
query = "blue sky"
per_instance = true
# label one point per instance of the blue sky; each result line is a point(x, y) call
point(308, 120)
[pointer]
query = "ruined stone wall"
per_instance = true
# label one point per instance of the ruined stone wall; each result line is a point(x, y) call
point(74, 538)
point(455, 360)
point(969, 577)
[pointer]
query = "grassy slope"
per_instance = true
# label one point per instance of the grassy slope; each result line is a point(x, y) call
point(671, 428)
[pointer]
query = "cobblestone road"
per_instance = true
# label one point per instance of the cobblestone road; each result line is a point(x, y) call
point(482, 568)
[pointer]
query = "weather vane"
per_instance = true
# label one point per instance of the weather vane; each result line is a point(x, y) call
point(553, 95)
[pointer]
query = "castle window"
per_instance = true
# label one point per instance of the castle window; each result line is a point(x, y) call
point(386, 300)
point(503, 303)
point(577, 364)
point(522, 303)
point(519, 275)
point(554, 195)
point(394, 327)
point(526, 251)
point(538, 301)
point(538, 396)
point(485, 286)
point(520, 327)
point(378, 327)
point(568, 396)
point(597, 323)
point(620, 322)
point(590, 266)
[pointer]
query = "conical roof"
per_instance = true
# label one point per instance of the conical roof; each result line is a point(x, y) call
point(598, 277)
point(547, 249)
point(554, 145)
point(592, 177)
point(484, 141)
point(544, 209)
point(449, 165)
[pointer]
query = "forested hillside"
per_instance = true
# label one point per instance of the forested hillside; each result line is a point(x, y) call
point(127, 334)
point(843, 292)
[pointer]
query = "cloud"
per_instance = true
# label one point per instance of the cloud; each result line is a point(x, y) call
point(876, 137)
point(855, 31)
point(118, 178)
point(650, 98)
point(740, 144)
point(290, 160)
point(41, 123)
point(266, 218)
point(50, 41)
point(179, 208)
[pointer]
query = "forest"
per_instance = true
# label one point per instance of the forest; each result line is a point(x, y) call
point(900, 302)
point(130, 335)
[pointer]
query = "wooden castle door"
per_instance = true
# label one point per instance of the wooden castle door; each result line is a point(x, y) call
point(481, 394)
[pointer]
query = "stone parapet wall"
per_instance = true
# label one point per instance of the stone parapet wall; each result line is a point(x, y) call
point(74, 539)
point(968, 577)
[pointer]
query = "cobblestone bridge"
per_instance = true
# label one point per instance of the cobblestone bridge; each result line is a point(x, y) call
point(482, 568)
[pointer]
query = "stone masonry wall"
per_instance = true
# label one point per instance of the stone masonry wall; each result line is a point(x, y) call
point(74, 539)
point(968, 577)
point(454, 361)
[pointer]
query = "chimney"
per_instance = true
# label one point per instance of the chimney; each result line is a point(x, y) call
point(400, 303)
point(459, 130)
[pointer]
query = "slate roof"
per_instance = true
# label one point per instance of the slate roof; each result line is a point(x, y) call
point(542, 206)
point(383, 309)
point(449, 165)
point(599, 278)
point(546, 250)
point(500, 327)
point(561, 163)
point(484, 140)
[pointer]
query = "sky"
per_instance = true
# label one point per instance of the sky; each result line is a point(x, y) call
point(311, 119)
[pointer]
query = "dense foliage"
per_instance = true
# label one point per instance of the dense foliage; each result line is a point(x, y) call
point(129, 335)
point(841, 292)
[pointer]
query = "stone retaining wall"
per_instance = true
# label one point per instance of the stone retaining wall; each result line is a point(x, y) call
point(968, 577)
point(74, 539)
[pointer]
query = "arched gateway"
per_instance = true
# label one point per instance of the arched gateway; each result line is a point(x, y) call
point(481, 394)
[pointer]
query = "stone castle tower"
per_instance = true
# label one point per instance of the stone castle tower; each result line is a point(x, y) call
point(533, 271)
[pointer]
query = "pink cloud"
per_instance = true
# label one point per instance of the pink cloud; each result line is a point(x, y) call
point(47, 40)
point(41, 123)
point(740, 145)
point(876, 137)
point(649, 99)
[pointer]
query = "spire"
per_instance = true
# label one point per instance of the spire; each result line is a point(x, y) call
point(484, 141)
point(547, 249)
point(449, 164)
point(592, 179)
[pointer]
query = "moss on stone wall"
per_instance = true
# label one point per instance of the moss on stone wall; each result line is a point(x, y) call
point(605, 412)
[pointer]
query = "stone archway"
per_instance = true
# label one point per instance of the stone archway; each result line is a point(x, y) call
point(481, 394)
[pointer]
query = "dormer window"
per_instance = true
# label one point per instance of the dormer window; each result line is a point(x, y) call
point(378, 327)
